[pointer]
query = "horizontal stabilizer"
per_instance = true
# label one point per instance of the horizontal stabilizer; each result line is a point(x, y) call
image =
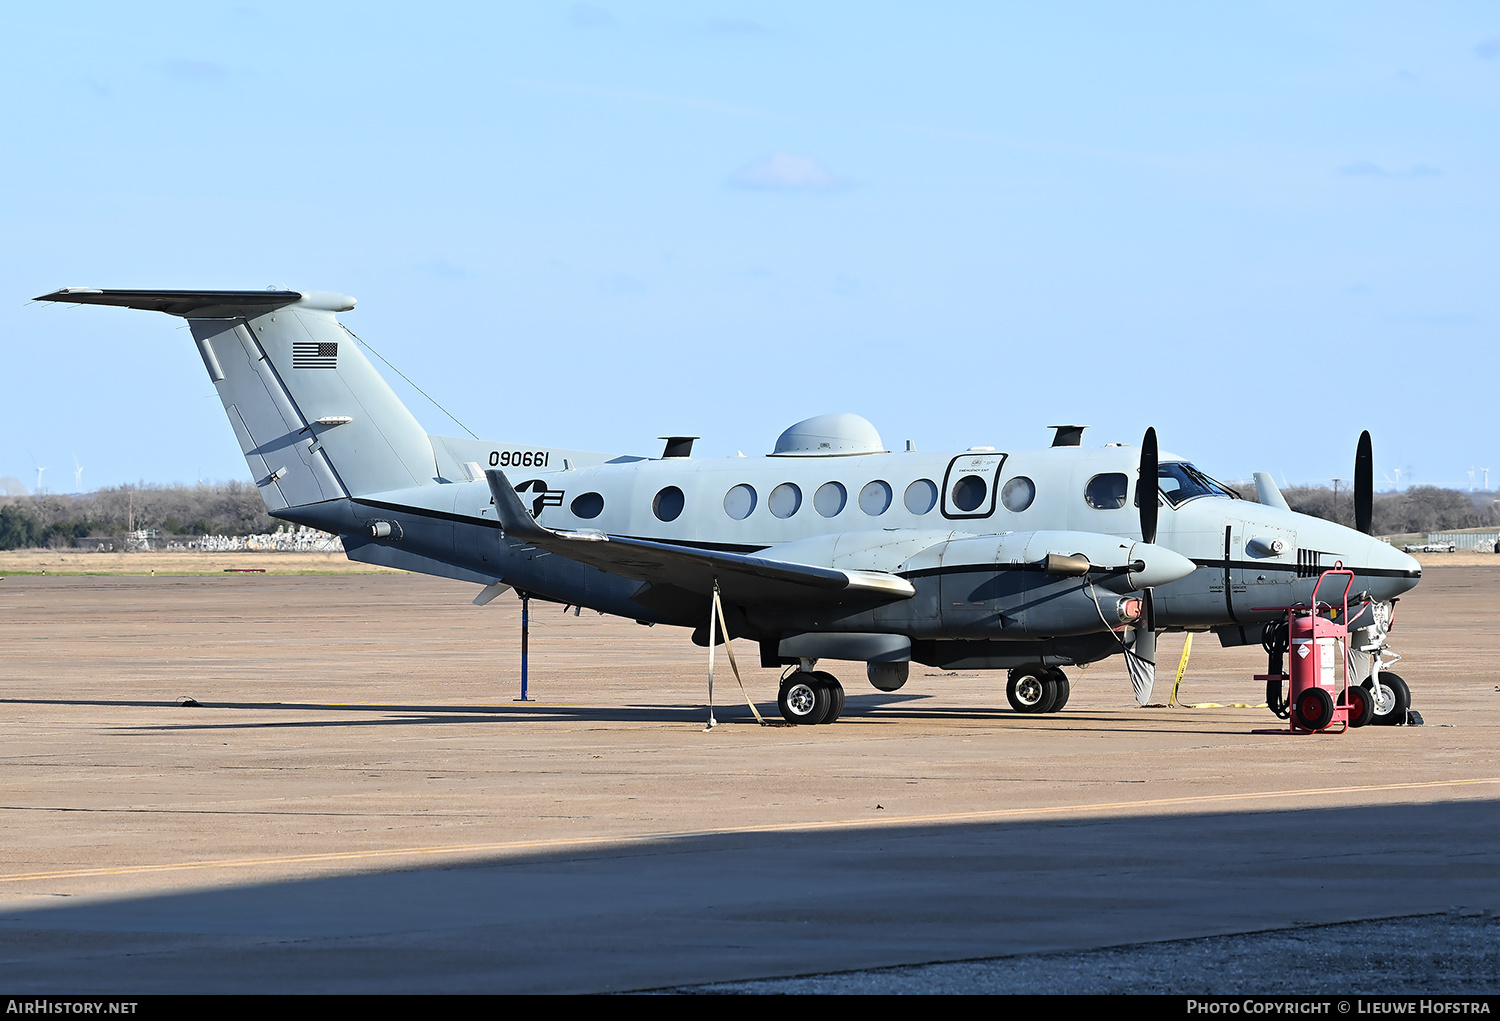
point(202, 304)
point(694, 569)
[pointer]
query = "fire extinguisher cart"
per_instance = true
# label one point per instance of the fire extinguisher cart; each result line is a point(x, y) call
point(1320, 698)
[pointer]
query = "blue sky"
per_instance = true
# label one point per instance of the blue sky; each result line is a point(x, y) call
point(1259, 227)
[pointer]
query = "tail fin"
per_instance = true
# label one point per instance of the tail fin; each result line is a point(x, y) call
point(315, 420)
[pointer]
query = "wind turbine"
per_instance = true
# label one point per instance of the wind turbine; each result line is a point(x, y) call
point(77, 475)
point(39, 470)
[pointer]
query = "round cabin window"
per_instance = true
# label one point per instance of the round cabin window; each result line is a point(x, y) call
point(589, 505)
point(921, 496)
point(875, 498)
point(739, 502)
point(969, 493)
point(668, 504)
point(830, 498)
point(785, 500)
point(1018, 493)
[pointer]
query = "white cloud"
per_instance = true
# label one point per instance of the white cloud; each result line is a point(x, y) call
point(784, 171)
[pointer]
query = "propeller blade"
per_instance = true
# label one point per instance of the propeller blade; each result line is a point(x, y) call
point(1140, 662)
point(1364, 484)
point(1146, 487)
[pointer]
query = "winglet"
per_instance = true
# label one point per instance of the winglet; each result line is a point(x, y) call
point(512, 514)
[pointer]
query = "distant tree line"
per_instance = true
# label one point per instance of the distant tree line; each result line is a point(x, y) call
point(235, 508)
point(1420, 509)
point(57, 519)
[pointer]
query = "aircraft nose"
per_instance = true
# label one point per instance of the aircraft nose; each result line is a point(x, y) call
point(1392, 571)
point(1159, 565)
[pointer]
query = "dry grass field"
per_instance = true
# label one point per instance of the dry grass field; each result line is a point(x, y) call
point(178, 563)
point(185, 563)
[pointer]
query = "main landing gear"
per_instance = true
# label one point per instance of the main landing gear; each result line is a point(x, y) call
point(1037, 689)
point(809, 696)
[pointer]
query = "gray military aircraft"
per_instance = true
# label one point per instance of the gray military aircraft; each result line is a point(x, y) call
point(828, 547)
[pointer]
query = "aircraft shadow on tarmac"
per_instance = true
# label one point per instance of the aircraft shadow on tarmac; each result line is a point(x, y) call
point(857, 707)
point(659, 911)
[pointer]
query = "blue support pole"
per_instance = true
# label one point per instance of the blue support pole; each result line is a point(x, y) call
point(525, 633)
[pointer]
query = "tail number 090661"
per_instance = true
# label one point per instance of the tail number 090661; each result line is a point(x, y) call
point(519, 458)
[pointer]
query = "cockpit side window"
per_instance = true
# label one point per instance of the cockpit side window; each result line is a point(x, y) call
point(1181, 482)
point(1106, 492)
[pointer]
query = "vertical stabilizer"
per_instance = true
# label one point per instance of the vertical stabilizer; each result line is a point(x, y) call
point(314, 418)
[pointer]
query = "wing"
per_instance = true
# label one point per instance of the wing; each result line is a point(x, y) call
point(741, 578)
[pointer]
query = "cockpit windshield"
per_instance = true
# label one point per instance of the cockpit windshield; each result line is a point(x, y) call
point(1181, 482)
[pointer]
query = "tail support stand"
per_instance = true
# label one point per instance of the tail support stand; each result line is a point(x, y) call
point(525, 635)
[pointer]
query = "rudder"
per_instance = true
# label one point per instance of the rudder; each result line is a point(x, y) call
point(314, 419)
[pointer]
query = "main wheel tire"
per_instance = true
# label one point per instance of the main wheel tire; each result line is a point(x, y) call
point(1028, 690)
point(1062, 688)
point(803, 699)
point(1312, 709)
point(1392, 700)
point(1361, 706)
point(835, 695)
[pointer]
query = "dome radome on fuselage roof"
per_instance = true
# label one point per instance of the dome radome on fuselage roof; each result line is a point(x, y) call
point(830, 436)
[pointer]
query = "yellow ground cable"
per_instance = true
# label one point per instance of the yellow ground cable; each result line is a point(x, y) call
point(1187, 648)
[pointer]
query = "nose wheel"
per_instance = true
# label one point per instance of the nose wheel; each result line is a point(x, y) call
point(1392, 699)
point(809, 697)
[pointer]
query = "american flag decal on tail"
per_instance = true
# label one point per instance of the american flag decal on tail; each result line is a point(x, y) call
point(311, 355)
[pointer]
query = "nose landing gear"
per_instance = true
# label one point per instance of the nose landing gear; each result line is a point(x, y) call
point(1324, 644)
point(1391, 698)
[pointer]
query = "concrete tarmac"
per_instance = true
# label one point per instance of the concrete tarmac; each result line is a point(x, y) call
point(358, 804)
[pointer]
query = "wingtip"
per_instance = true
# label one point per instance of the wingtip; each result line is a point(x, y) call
point(63, 293)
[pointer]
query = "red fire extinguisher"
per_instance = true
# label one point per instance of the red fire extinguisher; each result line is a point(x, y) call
point(1320, 695)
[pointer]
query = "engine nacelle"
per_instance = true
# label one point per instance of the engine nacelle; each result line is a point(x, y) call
point(1015, 586)
point(1043, 584)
